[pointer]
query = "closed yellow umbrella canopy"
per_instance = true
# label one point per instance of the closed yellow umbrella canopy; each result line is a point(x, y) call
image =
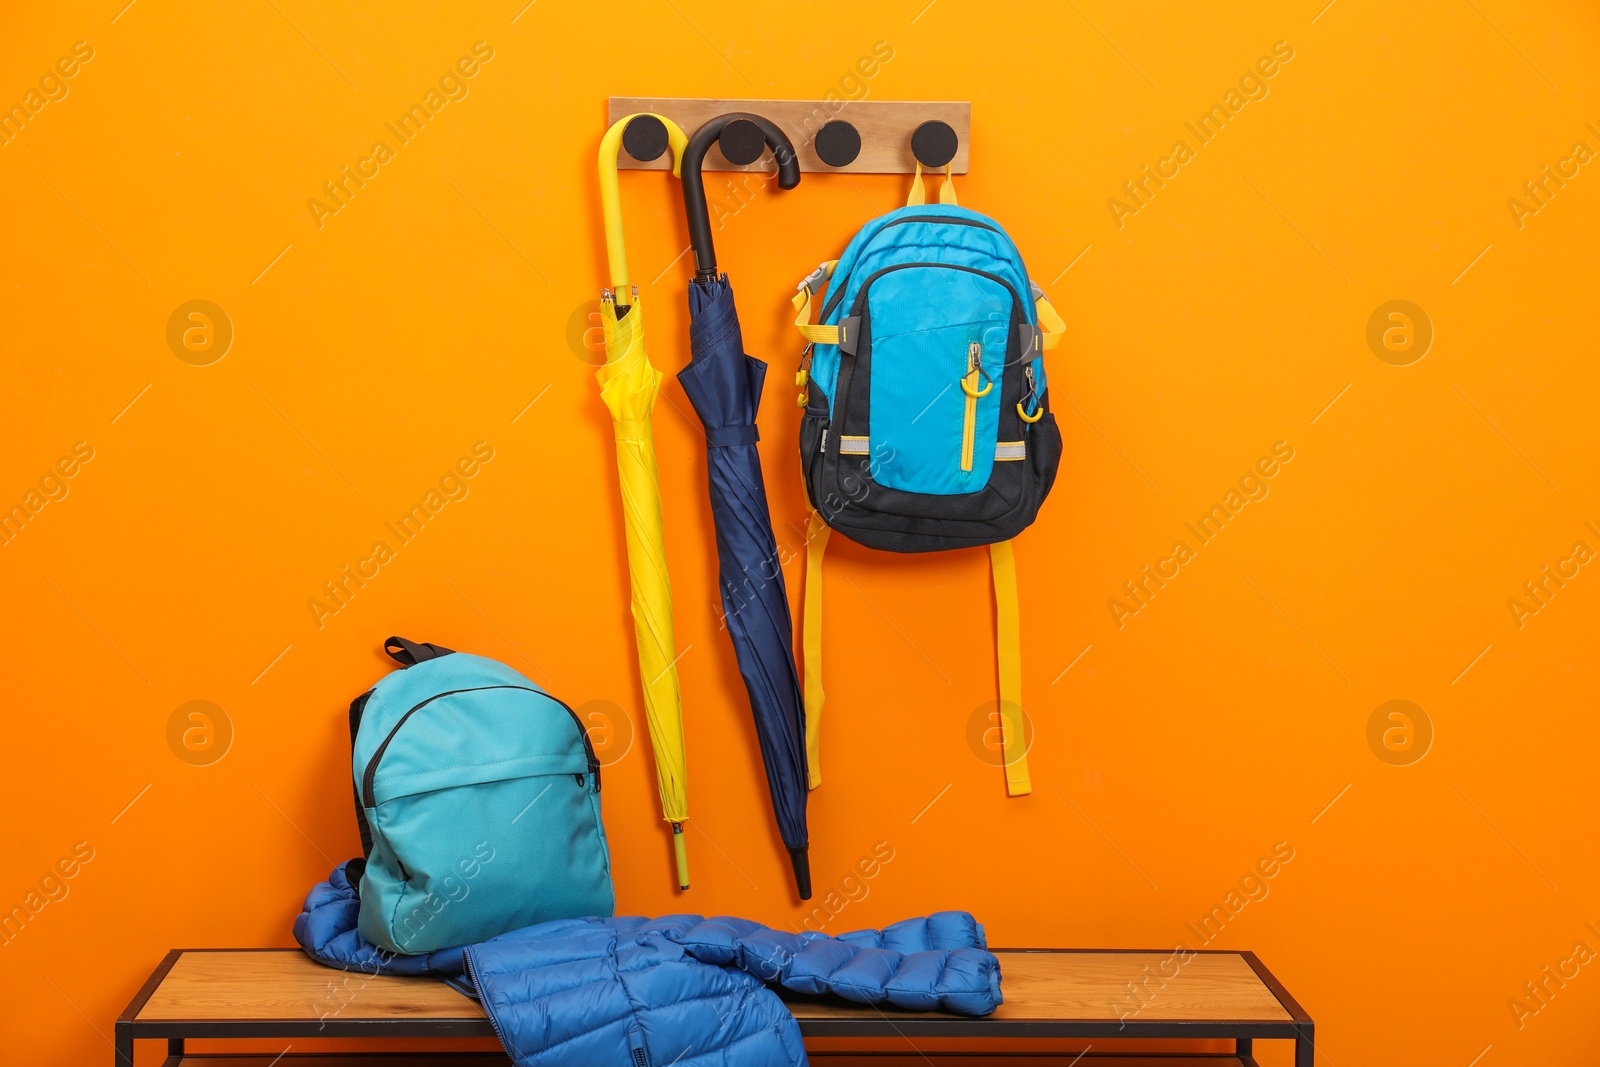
point(629, 385)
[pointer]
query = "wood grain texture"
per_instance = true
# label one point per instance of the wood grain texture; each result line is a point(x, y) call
point(1086, 985)
point(885, 126)
point(287, 984)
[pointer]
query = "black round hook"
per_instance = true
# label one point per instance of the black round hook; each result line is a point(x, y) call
point(838, 143)
point(694, 189)
point(644, 138)
point(934, 144)
point(741, 142)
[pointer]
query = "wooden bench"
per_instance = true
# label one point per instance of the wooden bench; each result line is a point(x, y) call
point(1049, 994)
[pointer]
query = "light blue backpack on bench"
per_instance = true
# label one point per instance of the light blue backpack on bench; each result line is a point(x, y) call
point(478, 801)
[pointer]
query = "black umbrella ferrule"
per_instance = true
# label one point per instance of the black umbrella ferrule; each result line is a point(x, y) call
point(800, 860)
point(694, 190)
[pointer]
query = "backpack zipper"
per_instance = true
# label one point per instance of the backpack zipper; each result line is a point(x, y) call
point(836, 286)
point(969, 386)
point(1033, 388)
point(861, 295)
point(367, 796)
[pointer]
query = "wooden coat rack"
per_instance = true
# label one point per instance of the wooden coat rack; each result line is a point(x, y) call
point(830, 136)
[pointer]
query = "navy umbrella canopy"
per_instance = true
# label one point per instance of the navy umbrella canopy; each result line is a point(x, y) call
point(724, 385)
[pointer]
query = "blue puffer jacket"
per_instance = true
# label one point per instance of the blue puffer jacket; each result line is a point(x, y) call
point(679, 990)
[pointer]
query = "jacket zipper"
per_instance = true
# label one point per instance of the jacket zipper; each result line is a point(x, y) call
point(637, 1055)
point(969, 386)
point(369, 800)
point(472, 976)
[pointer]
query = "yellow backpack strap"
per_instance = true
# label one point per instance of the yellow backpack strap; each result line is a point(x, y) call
point(809, 286)
point(1008, 643)
point(1052, 326)
point(919, 193)
point(811, 644)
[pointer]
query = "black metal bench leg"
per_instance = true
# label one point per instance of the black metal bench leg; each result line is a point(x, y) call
point(124, 1045)
point(1305, 1053)
point(1242, 1048)
point(175, 1048)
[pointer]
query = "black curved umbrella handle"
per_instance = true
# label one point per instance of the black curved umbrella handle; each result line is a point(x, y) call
point(694, 190)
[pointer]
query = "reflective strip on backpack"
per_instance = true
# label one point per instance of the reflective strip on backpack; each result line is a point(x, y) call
point(1003, 450)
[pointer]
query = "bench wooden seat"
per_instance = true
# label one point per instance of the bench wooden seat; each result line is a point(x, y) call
point(1049, 993)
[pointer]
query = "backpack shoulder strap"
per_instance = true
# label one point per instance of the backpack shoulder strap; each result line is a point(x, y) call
point(811, 644)
point(809, 286)
point(1008, 646)
point(358, 706)
point(1052, 326)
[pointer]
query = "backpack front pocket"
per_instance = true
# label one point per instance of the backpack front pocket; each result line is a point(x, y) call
point(465, 863)
point(937, 351)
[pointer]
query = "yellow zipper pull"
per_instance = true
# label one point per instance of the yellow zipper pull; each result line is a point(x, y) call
point(969, 383)
point(1033, 392)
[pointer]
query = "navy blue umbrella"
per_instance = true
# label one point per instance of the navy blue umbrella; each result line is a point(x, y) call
point(724, 385)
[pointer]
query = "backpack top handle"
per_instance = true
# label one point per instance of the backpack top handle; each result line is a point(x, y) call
point(409, 653)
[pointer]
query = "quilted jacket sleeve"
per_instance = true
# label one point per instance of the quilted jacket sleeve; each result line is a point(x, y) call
point(937, 963)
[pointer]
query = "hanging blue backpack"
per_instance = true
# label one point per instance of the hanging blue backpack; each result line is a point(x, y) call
point(927, 422)
point(478, 802)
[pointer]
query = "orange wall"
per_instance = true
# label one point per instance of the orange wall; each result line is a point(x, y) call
point(1228, 314)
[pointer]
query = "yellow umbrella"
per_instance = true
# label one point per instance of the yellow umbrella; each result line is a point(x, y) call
point(628, 385)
